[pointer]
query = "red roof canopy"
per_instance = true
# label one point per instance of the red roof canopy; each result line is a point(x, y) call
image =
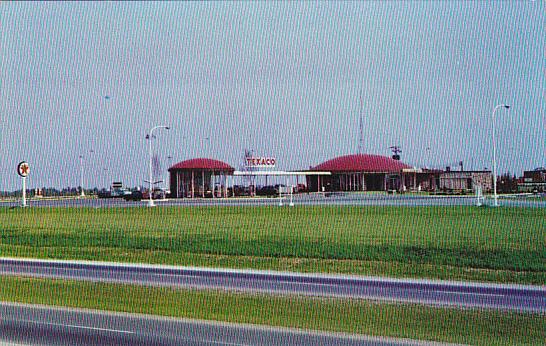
point(203, 163)
point(362, 163)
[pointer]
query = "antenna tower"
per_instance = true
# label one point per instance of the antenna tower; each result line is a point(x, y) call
point(249, 180)
point(361, 127)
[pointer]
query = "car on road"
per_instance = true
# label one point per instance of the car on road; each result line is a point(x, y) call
point(134, 196)
point(114, 193)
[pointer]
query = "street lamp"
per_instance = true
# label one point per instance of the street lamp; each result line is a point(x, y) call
point(149, 137)
point(167, 186)
point(495, 197)
point(107, 185)
point(81, 176)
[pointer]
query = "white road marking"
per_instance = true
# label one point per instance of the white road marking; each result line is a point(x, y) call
point(85, 327)
point(425, 291)
point(216, 342)
point(231, 279)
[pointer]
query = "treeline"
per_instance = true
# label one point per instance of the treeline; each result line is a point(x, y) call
point(49, 191)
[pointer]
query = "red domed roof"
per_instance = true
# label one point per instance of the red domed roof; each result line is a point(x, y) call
point(362, 163)
point(202, 163)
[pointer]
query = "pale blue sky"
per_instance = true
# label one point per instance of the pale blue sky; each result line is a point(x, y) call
point(281, 78)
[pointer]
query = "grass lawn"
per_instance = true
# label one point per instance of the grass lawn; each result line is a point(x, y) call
point(457, 243)
point(479, 327)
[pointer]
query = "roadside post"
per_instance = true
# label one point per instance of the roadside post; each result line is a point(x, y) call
point(291, 196)
point(479, 196)
point(23, 169)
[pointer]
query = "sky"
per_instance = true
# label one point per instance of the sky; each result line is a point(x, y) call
point(289, 80)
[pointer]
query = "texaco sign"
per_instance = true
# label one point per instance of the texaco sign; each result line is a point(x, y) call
point(23, 169)
point(268, 162)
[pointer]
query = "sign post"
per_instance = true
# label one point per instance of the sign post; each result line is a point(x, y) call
point(23, 169)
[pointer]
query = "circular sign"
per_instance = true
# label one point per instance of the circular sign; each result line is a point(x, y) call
point(23, 169)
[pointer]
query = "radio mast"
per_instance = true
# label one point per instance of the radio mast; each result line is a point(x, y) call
point(361, 127)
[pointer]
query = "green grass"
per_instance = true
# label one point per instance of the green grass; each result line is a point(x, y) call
point(480, 327)
point(458, 243)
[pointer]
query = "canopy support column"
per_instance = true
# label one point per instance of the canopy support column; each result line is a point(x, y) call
point(192, 183)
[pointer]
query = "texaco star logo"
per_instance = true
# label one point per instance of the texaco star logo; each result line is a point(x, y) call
point(23, 169)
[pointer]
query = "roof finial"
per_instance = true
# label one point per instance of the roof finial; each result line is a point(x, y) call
point(396, 150)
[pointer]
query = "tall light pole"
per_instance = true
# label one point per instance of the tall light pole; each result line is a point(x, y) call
point(81, 176)
point(495, 197)
point(167, 185)
point(149, 137)
point(206, 146)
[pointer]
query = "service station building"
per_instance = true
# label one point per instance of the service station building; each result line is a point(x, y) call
point(204, 177)
point(200, 177)
point(360, 172)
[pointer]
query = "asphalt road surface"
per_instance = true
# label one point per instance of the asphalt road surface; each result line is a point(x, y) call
point(354, 199)
point(440, 293)
point(39, 325)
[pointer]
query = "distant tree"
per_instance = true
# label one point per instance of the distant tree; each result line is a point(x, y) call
point(50, 191)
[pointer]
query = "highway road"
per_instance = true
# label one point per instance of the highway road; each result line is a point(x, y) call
point(438, 293)
point(353, 199)
point(40, 325)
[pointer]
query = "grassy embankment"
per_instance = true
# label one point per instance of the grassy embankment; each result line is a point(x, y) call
point(456, 243)
point(478, 327)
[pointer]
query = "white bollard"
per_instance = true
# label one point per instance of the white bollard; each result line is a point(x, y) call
point(479, 196)
point(291, 196)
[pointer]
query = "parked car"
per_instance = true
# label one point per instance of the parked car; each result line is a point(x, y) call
point(239, 190)
point(268, 190)
point(157, 194)
point(134, 196)
point(301, 188)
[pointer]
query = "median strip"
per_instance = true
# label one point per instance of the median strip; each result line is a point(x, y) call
point(328, 314)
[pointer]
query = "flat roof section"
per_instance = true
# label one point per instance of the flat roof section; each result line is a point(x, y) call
point(278, 173)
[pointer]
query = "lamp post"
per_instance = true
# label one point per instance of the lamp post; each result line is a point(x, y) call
point(167, 181)
point(495, 197)
point(82, 194)
point(149, 137)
